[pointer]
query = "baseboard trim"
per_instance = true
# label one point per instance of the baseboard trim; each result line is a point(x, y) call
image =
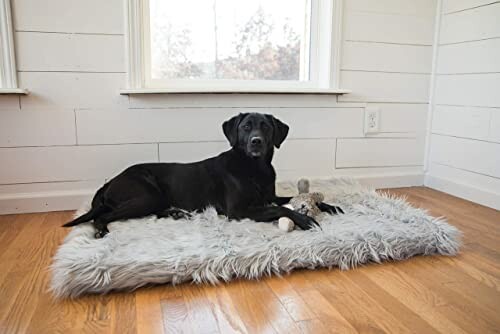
point(43, 201)
point(398, 180)
point(468, 192)
point(58, 200)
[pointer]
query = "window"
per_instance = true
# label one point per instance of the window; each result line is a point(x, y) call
point(8, 75)
point(234, 45)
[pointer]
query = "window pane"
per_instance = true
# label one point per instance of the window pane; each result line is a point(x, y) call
point(230, 39)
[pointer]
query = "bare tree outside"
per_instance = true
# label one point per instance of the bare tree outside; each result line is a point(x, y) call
point(260, 47)
point(172, 50)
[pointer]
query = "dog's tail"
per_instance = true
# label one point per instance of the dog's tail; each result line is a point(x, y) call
point(97, 208)
point(94, 212)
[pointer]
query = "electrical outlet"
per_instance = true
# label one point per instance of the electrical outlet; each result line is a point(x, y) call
point(372, 119)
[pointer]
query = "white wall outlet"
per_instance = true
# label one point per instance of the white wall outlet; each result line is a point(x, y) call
point(372, 120)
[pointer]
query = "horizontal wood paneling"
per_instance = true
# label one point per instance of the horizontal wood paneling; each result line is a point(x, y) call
point(494, 134)
point(468, 90)
point(456, 5)
point(374, 27)
point(400, 7)
point(37, 128)
point(65, 163)
point(470, 25)
point(375, 152)
point(472, 155)
point(230, 101)
point(9, 102)
point(470, 57)
point(467, 122)
point(386, 57)
point(396, 117)
point(308, 156)
point(178, 125)
point(72, 90)
point(464, 157)
point(313, 157)
point(69, 52)
point(89, 16)
point(385, 87)
point(191, 152)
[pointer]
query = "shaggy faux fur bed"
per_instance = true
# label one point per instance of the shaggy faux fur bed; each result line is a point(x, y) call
point(209, 248)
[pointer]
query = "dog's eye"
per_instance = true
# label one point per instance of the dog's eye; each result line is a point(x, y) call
point(246, 127)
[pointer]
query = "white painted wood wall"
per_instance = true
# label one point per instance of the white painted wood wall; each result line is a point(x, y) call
point(464, 156)
point(74, 130)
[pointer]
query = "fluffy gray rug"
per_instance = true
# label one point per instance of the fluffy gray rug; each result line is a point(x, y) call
point(208, 248)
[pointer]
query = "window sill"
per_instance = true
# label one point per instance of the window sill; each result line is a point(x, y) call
point(311, 91)
point(16, 91)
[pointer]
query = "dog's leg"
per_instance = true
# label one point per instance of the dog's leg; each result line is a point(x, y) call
point(174, 213)
point(333, 210)
point(101, 227)
point(272, 213)
point(134, 208)
point(279, 200)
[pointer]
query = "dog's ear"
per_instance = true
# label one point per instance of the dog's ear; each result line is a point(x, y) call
point(280, 131)
point(230, 128)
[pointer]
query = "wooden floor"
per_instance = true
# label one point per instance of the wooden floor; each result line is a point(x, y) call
point(421, 295)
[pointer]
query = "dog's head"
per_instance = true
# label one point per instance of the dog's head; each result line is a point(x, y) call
point(255, 134)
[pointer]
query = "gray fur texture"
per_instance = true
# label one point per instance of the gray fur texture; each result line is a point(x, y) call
point(209, 248)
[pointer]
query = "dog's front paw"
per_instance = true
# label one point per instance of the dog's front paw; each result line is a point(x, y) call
point(305, 222)
point(100, 234)
point(331, 209)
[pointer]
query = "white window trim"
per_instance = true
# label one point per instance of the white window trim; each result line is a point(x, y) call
point(324, 33)
point(8, 73)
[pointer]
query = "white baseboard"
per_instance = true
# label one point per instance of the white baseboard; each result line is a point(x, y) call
point(72, 199)
point(43, 201)
point(468, 192)
point(392, 180)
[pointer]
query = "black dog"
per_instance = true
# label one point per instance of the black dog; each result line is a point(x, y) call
point(239, 183)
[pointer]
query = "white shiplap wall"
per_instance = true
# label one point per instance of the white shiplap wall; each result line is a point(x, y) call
point(464, 156)
point(74, 130)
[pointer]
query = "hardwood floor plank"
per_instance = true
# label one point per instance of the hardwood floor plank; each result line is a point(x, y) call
point(249, 308)
point(199, 309)
point(175, 311)
point(406, 315)
point(426, 302)
point(273, 310)
point(225, 312)
point(357, 302)
point(316, 326)
point(361, 316)
point(291, 300)
point(123, 314)
point(326, 311)
point(21, 276)
point(17, 243)
point(149, 311)
point(474, 272)
point(459, 286)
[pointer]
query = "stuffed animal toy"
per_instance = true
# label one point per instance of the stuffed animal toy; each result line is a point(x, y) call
point(305, 203)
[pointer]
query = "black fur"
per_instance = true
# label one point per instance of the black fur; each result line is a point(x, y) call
point(239, 183)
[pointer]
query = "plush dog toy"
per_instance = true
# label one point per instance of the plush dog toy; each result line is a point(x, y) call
point(305, 203)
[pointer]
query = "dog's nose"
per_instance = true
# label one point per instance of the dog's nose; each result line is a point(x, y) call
point(256, 140)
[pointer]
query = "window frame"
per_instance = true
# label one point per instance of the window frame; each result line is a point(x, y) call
point(326, 28)
point(8, 72)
